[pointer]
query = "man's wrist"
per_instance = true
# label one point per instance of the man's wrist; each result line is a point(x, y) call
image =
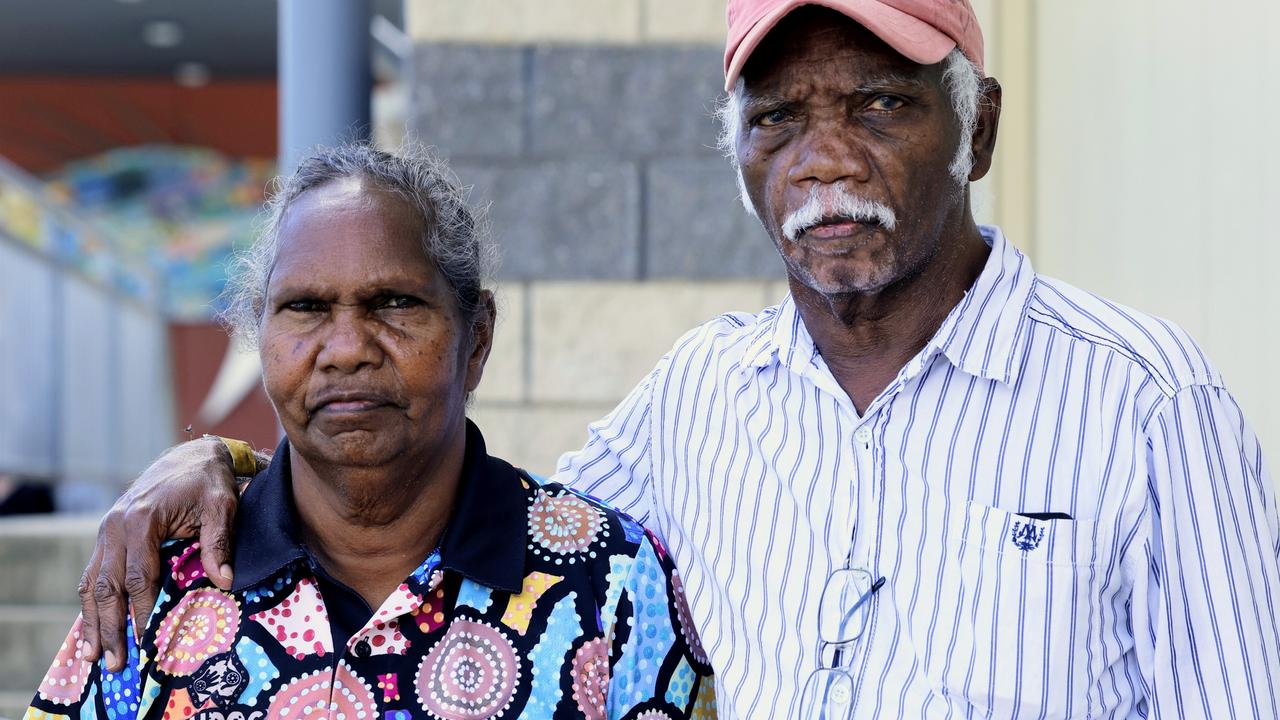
point(239, 454)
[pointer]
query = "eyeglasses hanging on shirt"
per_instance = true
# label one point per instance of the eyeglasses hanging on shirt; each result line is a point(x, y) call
point(842, 619)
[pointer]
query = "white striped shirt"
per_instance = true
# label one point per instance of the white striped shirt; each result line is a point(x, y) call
point(1156, 599)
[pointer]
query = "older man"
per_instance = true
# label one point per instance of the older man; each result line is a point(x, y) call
point(930, 483)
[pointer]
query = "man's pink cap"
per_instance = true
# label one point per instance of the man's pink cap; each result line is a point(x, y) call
point(922, 30)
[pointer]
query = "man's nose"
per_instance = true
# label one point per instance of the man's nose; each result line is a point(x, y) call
point(829, 153)
point(351, 342)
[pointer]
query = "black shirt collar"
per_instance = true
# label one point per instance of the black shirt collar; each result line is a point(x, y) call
point(485, 540)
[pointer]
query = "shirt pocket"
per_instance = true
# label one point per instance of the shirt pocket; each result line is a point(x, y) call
point(1020, 593)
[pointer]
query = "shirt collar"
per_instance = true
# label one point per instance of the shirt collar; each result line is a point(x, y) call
point(485, 540)
point(983, 334)
point(780, 334)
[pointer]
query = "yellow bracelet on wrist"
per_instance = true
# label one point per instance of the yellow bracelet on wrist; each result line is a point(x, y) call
point(243, 462)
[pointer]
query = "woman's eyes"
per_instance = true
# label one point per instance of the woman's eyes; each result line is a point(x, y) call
point(304, 306)
point(399, 302)
point(387, 302)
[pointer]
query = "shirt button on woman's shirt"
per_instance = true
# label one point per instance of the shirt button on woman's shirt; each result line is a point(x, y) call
point(363, 649)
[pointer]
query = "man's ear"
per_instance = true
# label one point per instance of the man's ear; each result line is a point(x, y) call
point(984, 135)
point(481, 339)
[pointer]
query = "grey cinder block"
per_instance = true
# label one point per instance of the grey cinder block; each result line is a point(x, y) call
point(624, 102)
point(562, 220)
point(697, 228)
point(469, 100)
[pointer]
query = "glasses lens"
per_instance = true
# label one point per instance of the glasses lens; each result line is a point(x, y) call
point(828, 695)
point(845, 602)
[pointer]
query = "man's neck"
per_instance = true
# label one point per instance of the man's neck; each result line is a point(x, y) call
point(866, 339)
point(371, 527)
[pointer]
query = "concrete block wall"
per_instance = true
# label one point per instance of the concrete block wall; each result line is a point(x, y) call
point(597, 162)
point(565, 352)
point(588, 130)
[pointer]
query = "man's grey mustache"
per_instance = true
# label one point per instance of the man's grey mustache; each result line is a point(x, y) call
point(835, 201)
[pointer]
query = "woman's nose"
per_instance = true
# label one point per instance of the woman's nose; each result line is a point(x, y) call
point(350, 344)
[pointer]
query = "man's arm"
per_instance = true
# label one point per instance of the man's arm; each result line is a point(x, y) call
point(614, 466)
point(188, 491)
point(1207, 577)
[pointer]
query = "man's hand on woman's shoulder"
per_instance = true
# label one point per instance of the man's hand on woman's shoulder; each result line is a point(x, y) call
point(189, 491)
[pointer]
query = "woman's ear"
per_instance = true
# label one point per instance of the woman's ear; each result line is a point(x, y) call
point(481, 339)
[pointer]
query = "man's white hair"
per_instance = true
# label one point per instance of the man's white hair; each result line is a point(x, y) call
point(959, 75)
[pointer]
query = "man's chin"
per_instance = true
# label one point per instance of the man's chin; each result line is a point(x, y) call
point(846, 279)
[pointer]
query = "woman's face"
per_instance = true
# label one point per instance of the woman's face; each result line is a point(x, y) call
point(364, 353)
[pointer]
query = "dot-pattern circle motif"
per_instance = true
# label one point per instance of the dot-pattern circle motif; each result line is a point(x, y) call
point(203, 624)
point(564, 525)
point(312, 694)
point(590, 675)
point(471, 673)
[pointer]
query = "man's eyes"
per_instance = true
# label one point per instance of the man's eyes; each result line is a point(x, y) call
point(778, 116)
point(886, 103)
point(771, 118)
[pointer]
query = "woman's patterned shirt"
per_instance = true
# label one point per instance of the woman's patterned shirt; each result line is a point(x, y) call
point(539, 603)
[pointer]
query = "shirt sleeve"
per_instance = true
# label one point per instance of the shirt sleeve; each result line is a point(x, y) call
point(1205, 604)
point(614, 466)
point(656, 661)
point(76, 688)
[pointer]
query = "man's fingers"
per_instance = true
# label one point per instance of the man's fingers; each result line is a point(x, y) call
point(215, 538)
point(108, 593)
point(142, 574)
point(89, 643)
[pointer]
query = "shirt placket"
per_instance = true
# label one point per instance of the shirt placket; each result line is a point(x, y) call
point(381, 635)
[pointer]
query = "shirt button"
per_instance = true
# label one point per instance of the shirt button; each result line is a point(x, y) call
point(363, 649)
point(862, 435)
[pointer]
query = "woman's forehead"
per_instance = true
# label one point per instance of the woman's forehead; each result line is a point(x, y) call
point(350, 227)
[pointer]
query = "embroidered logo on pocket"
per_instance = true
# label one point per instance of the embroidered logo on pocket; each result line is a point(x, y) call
point(1026, 537)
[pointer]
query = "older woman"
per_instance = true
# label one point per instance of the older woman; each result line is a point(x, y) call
point(386, 566)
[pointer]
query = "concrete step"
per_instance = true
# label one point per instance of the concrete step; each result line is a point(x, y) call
point(14, 705)
point(43, 558)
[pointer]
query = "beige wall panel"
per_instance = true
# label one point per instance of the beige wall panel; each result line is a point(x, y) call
point(504, 374)
point(533, 437)
point(685, 21)
point(1155, 173)
point(524, 21)
point(592, 342)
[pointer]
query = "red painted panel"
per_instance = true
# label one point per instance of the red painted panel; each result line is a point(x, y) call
point(197, 351)
point(46, 122)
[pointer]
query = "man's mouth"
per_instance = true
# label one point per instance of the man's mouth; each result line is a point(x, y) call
point(840, 226)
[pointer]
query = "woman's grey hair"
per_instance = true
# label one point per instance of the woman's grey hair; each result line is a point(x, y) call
point(455, 235)
point(960, 77)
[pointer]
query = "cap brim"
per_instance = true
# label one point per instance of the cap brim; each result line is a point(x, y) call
point(913, 38)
